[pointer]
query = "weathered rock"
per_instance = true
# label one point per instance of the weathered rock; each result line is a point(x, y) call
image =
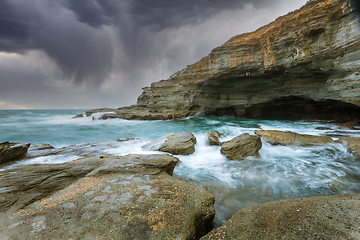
point(213, 137)
point(182, 143)
point(11, 151)
point(78, 116)
point(131, 197)
point(275, 137)
point(26, 184)
point(241, 147)
point(353, 145)
point(329, 217)
point(303, 65)
point(138, 113)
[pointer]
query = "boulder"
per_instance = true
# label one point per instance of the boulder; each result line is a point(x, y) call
point(25, 184)
point(11, 151)
point(182, 143)
point(241, 147)
point(328, 217)
point(275, 137)
point(129, 197)
point(213, 138)
point(353, 144)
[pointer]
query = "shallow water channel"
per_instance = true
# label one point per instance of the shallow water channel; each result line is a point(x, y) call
point(281, 172)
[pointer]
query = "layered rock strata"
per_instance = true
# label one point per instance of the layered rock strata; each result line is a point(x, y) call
point(305, 64)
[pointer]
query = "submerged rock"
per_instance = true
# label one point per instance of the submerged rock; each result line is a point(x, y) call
point(78, 116)
point(213, 138)
point(182, 143)
point(328, 217)
point(131, 197)
point(11, 151)
point(353, 144)
point(241, 147)
point(275, 137)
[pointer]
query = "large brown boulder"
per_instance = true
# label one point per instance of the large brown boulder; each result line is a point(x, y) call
point(241, 147)
point(276, 137)
point(182, 143)
point(213, 138)
point(328, 217)
point(11, 151)
point(129, 197)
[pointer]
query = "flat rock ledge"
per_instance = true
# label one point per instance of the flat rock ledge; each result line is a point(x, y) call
point(129, 197)
point(276, 137)
point(241, 147)
point(327, 217)
point(138, 113)
point(182, 143)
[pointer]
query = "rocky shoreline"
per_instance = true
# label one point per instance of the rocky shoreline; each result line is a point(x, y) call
point(135, 196)
point(304, 65)
point(301, 66)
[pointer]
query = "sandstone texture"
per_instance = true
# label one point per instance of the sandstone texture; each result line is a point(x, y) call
point(330, 217)
point(276, 137)
point(241, 147)
point(182, 143)
point(11, 151)
point(305, 64)
point(213, 138)
point(129, 197)
point(26, 184)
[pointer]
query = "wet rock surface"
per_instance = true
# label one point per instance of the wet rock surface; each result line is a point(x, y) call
point(132, 196)
point(213, 138)
point(275, 137)
point(26, 184)
point(12, 151)
point(182, 143)
point(328, 217)
point(241, 147)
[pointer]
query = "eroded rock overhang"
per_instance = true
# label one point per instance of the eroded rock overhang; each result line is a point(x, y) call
point(303, 65)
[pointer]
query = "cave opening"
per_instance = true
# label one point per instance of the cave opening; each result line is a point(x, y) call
point(293, 108)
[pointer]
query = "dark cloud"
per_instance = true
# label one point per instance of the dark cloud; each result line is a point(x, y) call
point(163, 14)
point(78, 42)
point(128, 43)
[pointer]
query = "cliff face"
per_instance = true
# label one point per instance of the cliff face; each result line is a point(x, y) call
point(304, 64)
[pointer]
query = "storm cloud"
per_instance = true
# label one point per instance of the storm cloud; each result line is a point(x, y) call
point(115, 47)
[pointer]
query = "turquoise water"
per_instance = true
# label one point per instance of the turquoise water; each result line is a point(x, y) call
point(281, 172)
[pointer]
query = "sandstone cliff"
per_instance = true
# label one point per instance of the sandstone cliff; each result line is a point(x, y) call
point(305, 64)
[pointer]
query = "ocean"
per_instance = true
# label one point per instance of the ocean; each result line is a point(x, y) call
point(281, 172)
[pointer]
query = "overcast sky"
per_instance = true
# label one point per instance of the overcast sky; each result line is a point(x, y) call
point(100, 53)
